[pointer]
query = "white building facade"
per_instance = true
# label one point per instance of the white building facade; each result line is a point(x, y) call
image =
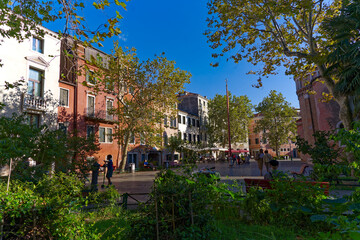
point(35, 65)
point(196, 105)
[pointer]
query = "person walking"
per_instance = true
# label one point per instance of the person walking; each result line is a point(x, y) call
point(260, 160)
point(110, 169)
point(267, 159)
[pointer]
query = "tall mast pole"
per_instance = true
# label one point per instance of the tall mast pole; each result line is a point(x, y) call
point(228, 117)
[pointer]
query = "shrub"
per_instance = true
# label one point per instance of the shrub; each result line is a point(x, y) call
point(45, 210)
point(288, 203)
point(180, 205)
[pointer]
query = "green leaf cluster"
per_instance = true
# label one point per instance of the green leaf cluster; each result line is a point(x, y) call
point(240, 113)
point(145, 92)
point(277, 120)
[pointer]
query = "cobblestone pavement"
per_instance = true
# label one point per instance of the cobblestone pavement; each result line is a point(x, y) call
point(249, 169)
point(141, 182)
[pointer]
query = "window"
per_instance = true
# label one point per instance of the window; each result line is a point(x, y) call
point(102, 134)
point(249, 141)
point(288, 149)
point(109, 107)
point(189, 137)
point(179, 119)
point(105, 135)
point(184, 122)
point(189, 122)
point(90, 78)
point(64, 97)
point(165, 139)
point(33, 120)
point(109, 135)
point(193, 122)
point(256, 141)
point(198, 138)
point(165, 121)
point(90, 131)
point(35, 82)
point(194, 138)
point(38, 45)
point(172, 122)
point(132, 138)
point(264, 140)
point(197, 123)
point(91, 106)
point(109, 84)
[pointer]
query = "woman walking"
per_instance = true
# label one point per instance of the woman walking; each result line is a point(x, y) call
point(260, 160)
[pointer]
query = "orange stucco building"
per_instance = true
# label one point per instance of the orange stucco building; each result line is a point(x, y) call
point(257, 142)
point(83, 110)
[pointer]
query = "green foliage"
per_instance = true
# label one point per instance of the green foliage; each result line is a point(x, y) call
point(287, 33)
point(145, 92)
point(277, 123)
point(350, 141)
point(110, 196)
point(240, 115)
point(344, 56)
point(325, 156)
point(22, 142)
point(44, 210)
point(183, 208)
point(342, 214)
point(288, 203)
point(273, 33)
point(22, 19)
point(236, 229)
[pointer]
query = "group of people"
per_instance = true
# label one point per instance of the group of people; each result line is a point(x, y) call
point(265, 158)
point(108, 169)
point(239, 160)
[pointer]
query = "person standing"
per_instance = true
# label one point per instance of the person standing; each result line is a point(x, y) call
point(260, 160)
point(110, 169)
point(267, 159)
point(95, 174)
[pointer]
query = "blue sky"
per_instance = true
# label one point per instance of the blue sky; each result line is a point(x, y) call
point(177, 28)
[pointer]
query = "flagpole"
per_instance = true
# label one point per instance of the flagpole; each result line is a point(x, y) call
point(228, 117)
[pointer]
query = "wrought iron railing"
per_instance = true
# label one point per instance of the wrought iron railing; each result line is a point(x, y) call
point(34, 102)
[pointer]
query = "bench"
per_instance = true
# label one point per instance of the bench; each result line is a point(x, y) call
point(266, 184)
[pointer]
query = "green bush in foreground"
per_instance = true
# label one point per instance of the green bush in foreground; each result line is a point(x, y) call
point(46, 210)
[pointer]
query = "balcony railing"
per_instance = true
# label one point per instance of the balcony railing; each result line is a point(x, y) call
point(34, 102)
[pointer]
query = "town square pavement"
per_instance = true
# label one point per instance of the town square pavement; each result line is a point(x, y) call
point(141, 182)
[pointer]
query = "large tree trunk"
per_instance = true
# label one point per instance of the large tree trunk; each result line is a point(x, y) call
point(345, 113)
point(124, 153)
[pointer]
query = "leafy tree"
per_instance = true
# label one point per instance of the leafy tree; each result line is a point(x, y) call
point(277, 123)
point(175, 144)
point(344, 56)
point(144, 92)
point(21, 142)
point(324, 154)
point(240, 115)
point(21, 19)
point(277, 33)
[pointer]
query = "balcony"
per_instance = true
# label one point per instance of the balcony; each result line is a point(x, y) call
point(31, 102)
